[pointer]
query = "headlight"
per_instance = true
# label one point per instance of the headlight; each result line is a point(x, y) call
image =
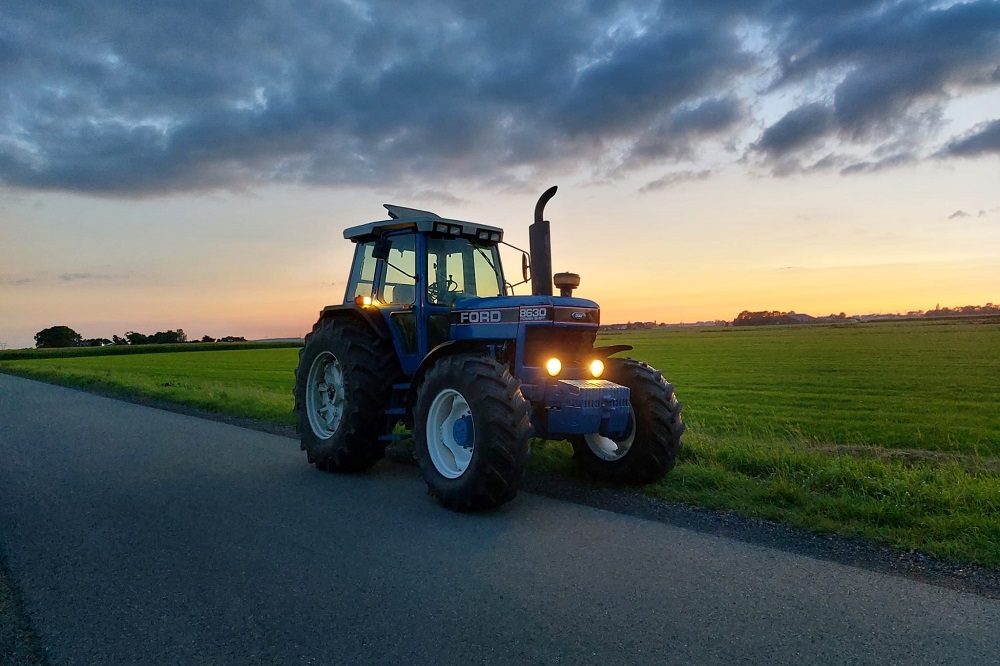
point(597, 367)
point(553, 366)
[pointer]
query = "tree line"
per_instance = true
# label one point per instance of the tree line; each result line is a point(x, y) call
point(64, 336)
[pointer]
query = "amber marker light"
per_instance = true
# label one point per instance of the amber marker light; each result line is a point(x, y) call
point(363, 301)
point(553, 366)
point(597, 367)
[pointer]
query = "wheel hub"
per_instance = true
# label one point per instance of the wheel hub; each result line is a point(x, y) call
point(451, 436)
point(612, 448)
point(325, 397)
point(463, 432)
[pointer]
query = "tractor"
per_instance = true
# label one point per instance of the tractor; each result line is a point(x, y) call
point(431, 336)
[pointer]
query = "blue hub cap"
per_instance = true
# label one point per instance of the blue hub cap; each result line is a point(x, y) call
point(464, 432)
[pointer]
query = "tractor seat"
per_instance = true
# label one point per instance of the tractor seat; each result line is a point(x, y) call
point(402, 294)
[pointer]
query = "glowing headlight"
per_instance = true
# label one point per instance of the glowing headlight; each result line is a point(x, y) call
point(553, 366)
point(597, 367)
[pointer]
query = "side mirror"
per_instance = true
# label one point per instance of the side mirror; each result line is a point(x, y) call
point(382, 247)
point(525, 265)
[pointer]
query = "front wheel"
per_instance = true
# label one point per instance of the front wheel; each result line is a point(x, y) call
point(472, 431)
point(648, 448)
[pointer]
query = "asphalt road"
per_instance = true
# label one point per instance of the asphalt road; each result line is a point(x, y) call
point(135, 535)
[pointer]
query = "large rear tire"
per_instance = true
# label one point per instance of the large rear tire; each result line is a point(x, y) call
point(472, 429)
point(650, 446)
point(343, 385)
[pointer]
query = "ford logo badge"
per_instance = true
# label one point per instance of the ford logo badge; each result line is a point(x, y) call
point(579, 316)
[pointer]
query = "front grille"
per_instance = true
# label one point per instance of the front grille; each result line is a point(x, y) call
point(573, 346)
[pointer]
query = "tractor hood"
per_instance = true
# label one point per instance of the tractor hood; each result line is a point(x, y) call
point(521, 309)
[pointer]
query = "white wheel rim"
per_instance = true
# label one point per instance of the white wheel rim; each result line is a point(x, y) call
point(448, 417)
point(606, 448)
point(325, 397)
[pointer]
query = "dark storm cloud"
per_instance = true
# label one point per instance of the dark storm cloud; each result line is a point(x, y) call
point(889, 66)
point(129, 97)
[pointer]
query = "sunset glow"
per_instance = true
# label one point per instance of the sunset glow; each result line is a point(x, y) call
point(710, 159)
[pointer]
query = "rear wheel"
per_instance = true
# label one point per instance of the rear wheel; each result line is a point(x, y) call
point(343, 385)
point(648, 449)
point(472, 431)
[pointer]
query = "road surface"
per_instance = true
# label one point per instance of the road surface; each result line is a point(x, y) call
point(135, 535)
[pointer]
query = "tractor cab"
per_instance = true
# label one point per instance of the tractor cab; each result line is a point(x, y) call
point(414, 268)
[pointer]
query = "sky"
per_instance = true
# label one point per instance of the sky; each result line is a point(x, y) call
point(193, 165)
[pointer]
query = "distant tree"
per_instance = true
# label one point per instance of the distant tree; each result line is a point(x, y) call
point(136, 338)
point(233, 338)
point(94, 342)
point(57, 336)
point(207, 338)
point(168, 337)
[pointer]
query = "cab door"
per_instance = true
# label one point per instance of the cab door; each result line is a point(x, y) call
point(396, 294)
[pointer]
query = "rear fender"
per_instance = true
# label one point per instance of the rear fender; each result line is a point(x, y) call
point(369, 316)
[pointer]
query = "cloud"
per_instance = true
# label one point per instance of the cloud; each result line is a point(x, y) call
point(957, 214)
point(83, 277)
point(797, 128)
point(125, 99)
point(890, 162)
point(983, 139)
point(883, 72)
point(673, 179)
point(676, 136)
point(14, 280)
point(45, 277)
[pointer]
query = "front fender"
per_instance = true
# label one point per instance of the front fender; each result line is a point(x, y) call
point(446, 348)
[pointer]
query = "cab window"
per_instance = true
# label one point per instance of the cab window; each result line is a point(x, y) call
point(399, 286)
point(362, 282)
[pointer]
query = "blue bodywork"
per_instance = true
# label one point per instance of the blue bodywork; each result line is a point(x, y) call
point(520, 331)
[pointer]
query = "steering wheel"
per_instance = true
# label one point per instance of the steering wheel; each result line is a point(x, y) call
point(434, 290)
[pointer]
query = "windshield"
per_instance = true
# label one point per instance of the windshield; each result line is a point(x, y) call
point(458, 267)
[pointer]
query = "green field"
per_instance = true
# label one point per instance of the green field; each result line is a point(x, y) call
point(930, 386)
point(885, 431)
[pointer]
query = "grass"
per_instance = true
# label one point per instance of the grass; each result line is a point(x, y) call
point(887, 431)
point(929, 386)
point(120, 350)
point(254, 383)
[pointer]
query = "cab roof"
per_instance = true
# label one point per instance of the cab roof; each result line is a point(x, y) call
point(423, 221)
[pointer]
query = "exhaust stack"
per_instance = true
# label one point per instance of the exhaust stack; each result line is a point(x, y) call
point(540, 246)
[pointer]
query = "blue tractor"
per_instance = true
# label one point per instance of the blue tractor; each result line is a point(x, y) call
point(430, 334)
